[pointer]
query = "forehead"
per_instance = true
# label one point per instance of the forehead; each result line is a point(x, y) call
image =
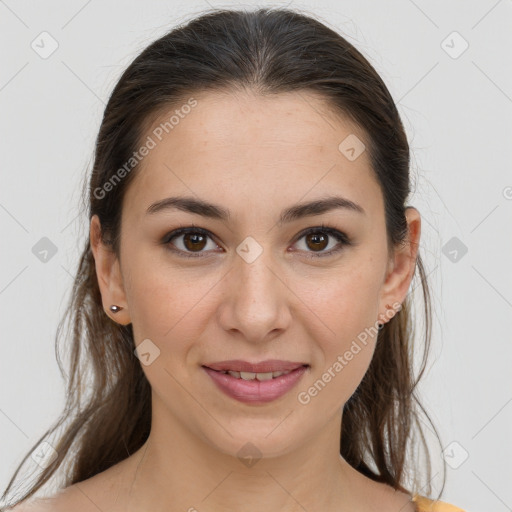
point(233, 147)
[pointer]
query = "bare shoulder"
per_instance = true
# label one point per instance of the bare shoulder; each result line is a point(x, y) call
point(99, 492)
point(383, 497)
point(398, 500)
point(33, 506)
point(372, 495)
point(65, 500)
point(54, 503)
point(71, 498)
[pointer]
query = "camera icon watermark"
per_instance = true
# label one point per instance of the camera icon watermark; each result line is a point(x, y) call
point(351, 147)
point(455, 455)
point(249, 249)
point(44, 455)
point(146, 351)
point(44, 45)
point(454, 45)
point(249, 454)
point(44, 250)
point(454, 249)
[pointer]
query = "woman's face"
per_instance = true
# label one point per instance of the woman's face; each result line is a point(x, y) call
point(249, 285)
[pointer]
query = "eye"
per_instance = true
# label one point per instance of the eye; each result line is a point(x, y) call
point(319, 238)
point(192, 241)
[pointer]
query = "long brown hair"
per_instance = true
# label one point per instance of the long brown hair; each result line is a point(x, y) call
point(107, 415)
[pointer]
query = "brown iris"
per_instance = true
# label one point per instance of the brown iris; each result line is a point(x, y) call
point(194, 241)
point(317, 239)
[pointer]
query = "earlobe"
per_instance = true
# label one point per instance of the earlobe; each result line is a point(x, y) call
point(109, 276)
point(402, 266)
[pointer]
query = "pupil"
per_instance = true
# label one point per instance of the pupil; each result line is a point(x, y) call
point(315, 238)
point(194, 239)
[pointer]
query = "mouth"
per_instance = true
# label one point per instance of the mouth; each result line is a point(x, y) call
point(262, 371)
point(260, 376)
point(256, 387)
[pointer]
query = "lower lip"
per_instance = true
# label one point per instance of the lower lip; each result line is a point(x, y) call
point(254, 391)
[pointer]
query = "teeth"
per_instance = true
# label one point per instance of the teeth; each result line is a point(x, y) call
point(264, 376)
point(253, 376)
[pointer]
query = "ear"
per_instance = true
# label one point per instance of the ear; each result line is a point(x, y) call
point(108, 271)
point(400, 268)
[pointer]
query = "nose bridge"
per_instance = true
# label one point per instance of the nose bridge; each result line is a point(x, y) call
point(257, 301)
point(253, 267)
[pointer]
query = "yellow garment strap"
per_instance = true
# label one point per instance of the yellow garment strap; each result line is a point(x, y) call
point(424, 504)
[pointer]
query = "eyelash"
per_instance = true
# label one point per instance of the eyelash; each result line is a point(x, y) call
point(338, 235)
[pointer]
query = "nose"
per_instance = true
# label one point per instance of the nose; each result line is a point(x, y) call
point(257, 301)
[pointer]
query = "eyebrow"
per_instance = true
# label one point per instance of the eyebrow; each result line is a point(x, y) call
point(295, 212)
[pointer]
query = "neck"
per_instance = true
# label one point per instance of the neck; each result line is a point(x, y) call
point(178, 470)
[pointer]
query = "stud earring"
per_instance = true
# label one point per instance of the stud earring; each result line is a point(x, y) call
point(379, 325)
point(115, 308)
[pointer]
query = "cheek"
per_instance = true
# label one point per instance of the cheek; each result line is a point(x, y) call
point(166, 303)
point(347, 308)
point(347, 349)
point(346, 302)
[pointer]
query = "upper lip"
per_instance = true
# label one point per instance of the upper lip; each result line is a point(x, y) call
point(269, 365)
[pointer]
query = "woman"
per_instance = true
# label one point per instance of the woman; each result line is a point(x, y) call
point(242, 298)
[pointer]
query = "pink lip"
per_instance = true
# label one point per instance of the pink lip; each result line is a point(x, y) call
point(269, 365)
point(254, 391)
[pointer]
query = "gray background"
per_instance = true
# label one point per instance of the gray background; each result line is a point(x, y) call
point(456, 106)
